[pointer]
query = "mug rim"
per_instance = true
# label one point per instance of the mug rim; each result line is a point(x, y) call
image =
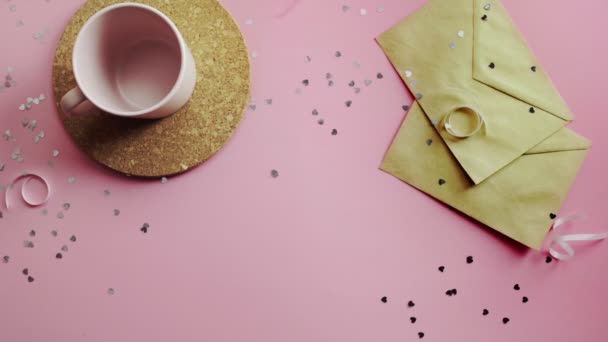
point(180, 77)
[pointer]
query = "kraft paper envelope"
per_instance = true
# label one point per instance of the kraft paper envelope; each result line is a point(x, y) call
point(515, 172)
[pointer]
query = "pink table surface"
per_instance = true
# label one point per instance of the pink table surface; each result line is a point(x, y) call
point(233, 254)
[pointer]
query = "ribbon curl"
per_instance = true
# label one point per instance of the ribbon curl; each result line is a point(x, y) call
point(562, 240)
point(28, 177)
point(480, 122)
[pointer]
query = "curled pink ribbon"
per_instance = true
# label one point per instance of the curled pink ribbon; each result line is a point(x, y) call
point(562, 240)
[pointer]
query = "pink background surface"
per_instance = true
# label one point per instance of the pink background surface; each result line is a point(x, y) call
point(235, 255)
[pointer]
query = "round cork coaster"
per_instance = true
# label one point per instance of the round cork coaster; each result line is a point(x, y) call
point(168, 146)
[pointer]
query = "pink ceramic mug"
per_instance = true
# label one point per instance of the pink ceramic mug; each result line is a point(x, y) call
point(130, 60)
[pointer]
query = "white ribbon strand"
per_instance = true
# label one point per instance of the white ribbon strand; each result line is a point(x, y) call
point(480, 122)
point(28, 177)
point(562, 240)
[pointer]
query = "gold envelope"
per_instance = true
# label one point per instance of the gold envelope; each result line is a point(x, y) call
point(453, 53)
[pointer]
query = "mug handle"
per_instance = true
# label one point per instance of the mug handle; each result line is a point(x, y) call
point(71, 100)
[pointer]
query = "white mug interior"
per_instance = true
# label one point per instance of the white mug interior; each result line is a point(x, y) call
point(128, 59)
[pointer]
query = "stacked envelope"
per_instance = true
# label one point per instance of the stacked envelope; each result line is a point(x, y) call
point(471, 72)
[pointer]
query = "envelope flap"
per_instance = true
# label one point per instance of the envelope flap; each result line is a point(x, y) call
point(503, 61)
point(563, 140)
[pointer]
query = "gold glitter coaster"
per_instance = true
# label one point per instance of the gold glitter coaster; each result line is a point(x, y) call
point(155, 148)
